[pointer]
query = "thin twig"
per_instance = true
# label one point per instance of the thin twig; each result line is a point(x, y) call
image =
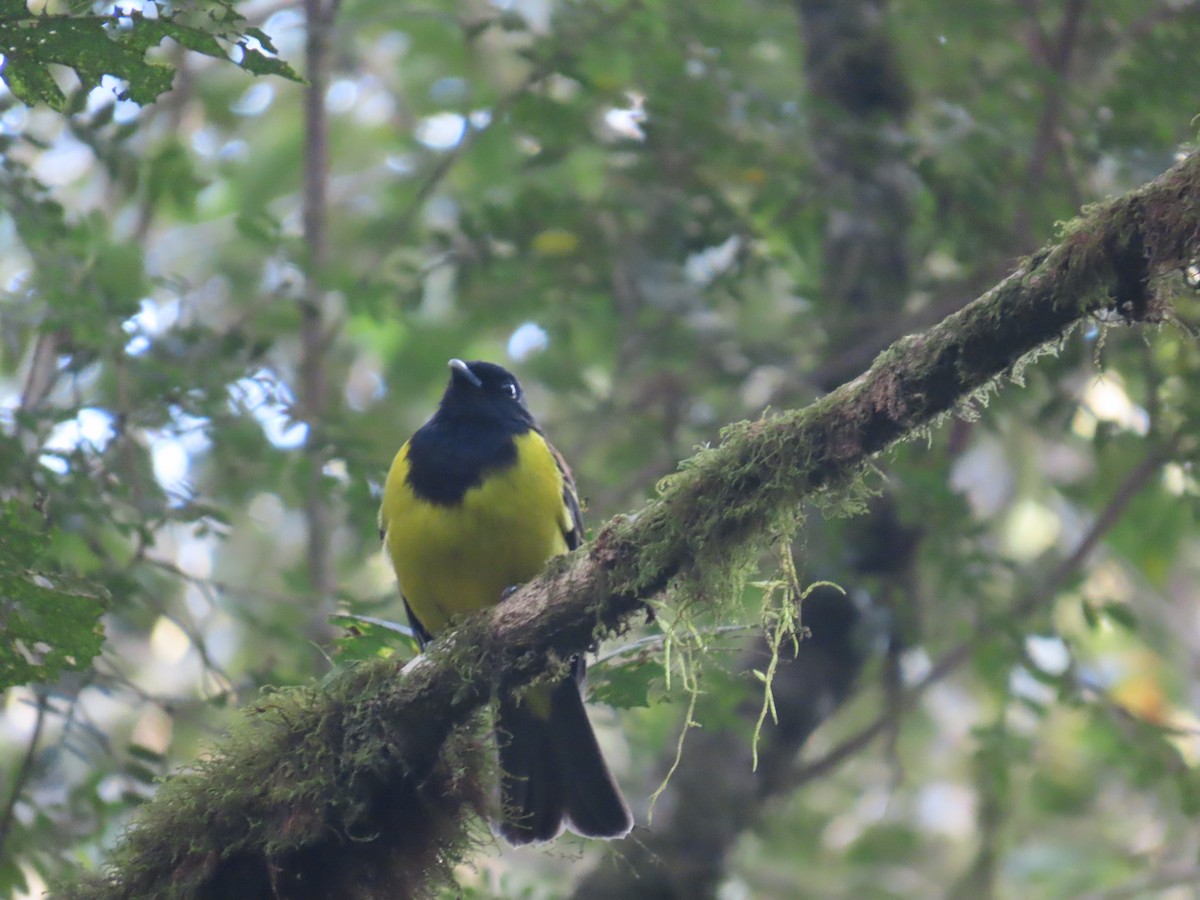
point(23, 773)
point(314, 376)
point(42, 371)
point(217, 586)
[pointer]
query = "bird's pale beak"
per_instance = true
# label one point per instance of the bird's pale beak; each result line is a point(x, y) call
point(460, 369)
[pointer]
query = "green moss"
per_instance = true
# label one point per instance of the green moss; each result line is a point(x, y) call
point(308, 788)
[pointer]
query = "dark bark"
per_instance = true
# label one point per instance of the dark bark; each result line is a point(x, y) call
point(859, 99)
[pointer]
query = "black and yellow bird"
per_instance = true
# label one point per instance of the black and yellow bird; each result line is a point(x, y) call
point(475, 503)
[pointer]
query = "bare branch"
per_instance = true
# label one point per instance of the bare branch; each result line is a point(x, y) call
point(42, 370)
point(23, 772)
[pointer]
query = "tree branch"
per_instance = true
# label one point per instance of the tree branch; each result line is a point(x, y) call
point(356, 787)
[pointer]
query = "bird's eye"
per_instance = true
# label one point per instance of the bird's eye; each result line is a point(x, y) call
point(510, 388)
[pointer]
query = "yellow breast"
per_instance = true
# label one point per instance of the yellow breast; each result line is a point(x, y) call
point(456, 559)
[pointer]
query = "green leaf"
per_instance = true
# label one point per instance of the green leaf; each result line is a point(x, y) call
point(145, 754)
point(30, 81)
point(625, 686)
point(368, 637)
point(170, 175)
point(256, 62)
point(116, 45)
point(884, 842)
point(1188, 782)
point(1120, 614)
point(258, 225)
point(49, 624)
point(12, 879)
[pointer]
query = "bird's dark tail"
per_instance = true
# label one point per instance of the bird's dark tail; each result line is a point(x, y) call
point(552, 771)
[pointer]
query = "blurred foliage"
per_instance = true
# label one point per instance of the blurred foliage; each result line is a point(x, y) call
point(622, 201)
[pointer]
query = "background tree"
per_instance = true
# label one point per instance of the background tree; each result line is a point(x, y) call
point(223, 310)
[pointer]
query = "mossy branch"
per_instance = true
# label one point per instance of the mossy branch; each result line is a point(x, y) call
point(361, 787)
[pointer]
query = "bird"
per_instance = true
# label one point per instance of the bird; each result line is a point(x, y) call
point(475, 503)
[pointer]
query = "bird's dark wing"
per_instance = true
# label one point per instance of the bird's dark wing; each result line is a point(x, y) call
point(570, 498)
point(423, 637)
